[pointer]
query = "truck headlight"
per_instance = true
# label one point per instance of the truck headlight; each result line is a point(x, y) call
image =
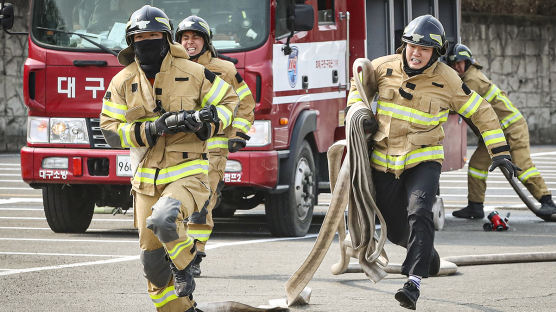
point(69, 131)
point(260, 134)
point(37, 129)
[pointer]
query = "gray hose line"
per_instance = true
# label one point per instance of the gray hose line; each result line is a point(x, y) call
point(502, 258)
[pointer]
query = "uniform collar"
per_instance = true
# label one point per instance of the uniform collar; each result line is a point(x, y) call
point(205, 58)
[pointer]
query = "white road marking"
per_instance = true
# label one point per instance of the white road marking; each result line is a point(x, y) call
point(20, 209)
point(116, 241)
point(12, 181)
point(39, 218)
point(543, 154)
point(18, 188)
point(89, 230)
point(10, 164)
point(15, 200)
point(134, 258)
point(10, 169)
point(10, 175)
point(58, 254)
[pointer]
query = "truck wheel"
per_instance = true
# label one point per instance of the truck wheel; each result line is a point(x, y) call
point(290, 213)
point(68, 208)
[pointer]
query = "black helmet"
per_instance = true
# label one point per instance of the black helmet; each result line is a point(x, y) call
point(148, 19)
point(197, 24)
point(426, 31)
point(460, 52)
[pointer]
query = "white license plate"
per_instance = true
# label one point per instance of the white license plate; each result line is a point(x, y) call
point(123, 166)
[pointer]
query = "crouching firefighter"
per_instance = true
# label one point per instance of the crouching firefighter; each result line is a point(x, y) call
point(161, 106)
point(415, 95)
point(196, 37)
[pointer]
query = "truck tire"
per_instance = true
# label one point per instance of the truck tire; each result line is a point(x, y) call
point(290, 213)
point(68, 208)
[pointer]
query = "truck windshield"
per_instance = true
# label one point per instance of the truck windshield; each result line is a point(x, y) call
point(237, 25)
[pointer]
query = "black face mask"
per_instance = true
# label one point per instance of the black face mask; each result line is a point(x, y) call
point(150, 54)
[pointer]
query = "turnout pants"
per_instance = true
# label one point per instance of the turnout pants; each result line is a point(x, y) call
point(406, 205)
point(201, 224)
point(163, 236)
point(517, 136)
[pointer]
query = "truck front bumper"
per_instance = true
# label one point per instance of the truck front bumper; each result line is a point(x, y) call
point(258, 169)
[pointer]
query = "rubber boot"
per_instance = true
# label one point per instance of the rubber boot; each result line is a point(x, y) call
point(196, 265)
point(472, 211)
point(434, 266)
point(184, 283)
point(548, 208)
point(408, 295)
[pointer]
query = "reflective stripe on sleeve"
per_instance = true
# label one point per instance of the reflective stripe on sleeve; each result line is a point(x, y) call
point(216, 92)
point(243, 91)
point(200, 235)
point(402, 161)
point(114, 110)
point(225, 115)
point(146, 175)
point(174, 173)
point(124, 130)
point(410, 114)
point(354, 97)
point(471, 106)
point(513, 117)
point(493, 136)
point(174, 252)
point(491, 93)
point(242, 124)
point(528, 173)
point(167, 295)
point(478, 174)
point(217, 142)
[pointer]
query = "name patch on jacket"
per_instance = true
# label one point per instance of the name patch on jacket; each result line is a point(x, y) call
point(438, 85)
point(410, 85)
point(389, 71)
point(182, 78)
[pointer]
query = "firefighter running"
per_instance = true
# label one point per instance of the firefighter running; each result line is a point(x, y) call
point(196, 37)
point(415, 94)
point(160, 106)
point(515, 129)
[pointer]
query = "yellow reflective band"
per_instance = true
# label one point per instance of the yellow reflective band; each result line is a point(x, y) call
point(216, 92)
point(200, 235)
point(114, 110)
point(124, 130)
point(437, 38)
point(510, 119)
point(148, 119)
point(493, 136)
point(464, 53)
point(354, 97)
point(243, 91)
point(164, 21)
point(164, 297)
point(217, 142)
point(174, 252)
point(402, 161)
point(471, 106)
point(476, 173)
point(242, 124)
point(205, 26)
point(528, 173)
point(410, 114)
point(186, 169)
point(492, 93)
point(225, 115)
point(146, 175)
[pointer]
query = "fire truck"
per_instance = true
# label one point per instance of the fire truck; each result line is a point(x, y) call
point(295, 56)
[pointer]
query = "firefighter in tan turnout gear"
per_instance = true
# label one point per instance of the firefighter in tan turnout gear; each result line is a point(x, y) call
point(415, 95)
point(160, 106)
point(517, 134)
point(195, 35)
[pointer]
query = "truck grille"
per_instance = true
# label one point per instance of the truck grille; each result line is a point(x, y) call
point(98, 140)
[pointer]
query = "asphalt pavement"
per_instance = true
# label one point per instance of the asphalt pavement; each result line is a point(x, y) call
point(100, 270)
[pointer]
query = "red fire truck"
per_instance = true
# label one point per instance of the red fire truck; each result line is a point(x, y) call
point(294, 55)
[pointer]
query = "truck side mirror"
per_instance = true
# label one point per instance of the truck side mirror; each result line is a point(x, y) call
point(7, 16)
point(304, 17)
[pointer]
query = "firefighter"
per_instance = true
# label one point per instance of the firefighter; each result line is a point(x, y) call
point(160, 106)
point(415, 94)
point(515, 129)
point(196, 37)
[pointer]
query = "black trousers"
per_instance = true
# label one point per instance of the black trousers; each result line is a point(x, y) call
point(406, 204)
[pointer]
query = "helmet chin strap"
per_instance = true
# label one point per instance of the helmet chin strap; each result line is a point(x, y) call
point(196, 56)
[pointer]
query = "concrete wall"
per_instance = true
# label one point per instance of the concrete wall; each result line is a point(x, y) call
point(13, 52)
point(518, 54)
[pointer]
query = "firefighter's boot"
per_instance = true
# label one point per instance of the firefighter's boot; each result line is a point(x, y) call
point(196, 264)
point(472, 211)
point(184, 283)
point(548, 208)
point(408, 295)
point(434, 266)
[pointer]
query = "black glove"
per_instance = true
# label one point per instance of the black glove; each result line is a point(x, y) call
point(204, 132)
point(370, 126)
point(184, 121)
point(209, 113)
point(158, 127)
point(504, 161)
point(238, 142)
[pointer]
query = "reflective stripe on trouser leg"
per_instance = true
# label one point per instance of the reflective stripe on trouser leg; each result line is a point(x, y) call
point(518, 139)
point(476, 176)
point(202, 230)
point(149, 242)
point(165, 299)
